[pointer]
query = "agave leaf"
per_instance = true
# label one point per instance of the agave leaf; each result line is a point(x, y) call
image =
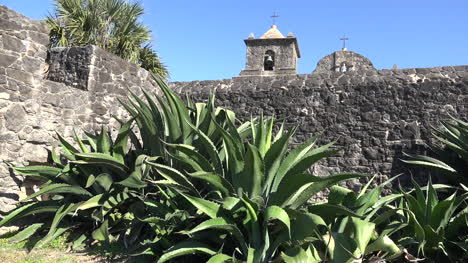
point(244, 130)
point(384, 216)
point(253, 225)
point(431, 201)
point(363, 231)
point(133, 181)
point(90, 181)
point(55, 158)
point(383, 201)
point(44, 172)
point(59, 215)
point(178, 109)
point(262, 132)
point(415, 207)
point(222, 224)
point(59, 189)
point(28, 209)
point(364, 189)
point(102, 159)
point(197, 161)
point(104, 143)
point(306, 187)
point(419, 194)
point(338, 194)
point(234, 156)
point(278, 213)
point(105, 181)
point(306, 225)
point(172, 128)
point(310, 159)
point(186, 248)
point(78, 243)
point(299, 255)
point(211, 209)
point(231, 127)
point(329, 211)
point(120, 145)
point(80, 142)
point(219, 258)
point(26, 233)
point(102, 233)
point(214, 181)
point(252, 177)
point(458, 222)
point(91, 140)
point(368, 200)
point(273, 158)
point(343, 248)
point(453, 206)
point(173, 175)
point(66, 146)
point(429, 162)
point(109, 204)
point(148, 129)
point(291, 159)
point(49, 238)
point(384, 243)
point(418, 229)
point(155, 110)
point(95, 201)
point(210, 148)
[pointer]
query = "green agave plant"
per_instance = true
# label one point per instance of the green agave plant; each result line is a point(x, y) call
point(451, 151)
point(438, 228)
point(94, 188)
point(358, 224)
point(250, 190)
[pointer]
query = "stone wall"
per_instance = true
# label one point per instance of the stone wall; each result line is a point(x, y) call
point(373, 115)
point(43, 92)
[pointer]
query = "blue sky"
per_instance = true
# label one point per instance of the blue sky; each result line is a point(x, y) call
point(200, 40)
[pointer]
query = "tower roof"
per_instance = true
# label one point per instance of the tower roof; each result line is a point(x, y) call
point(273, 32)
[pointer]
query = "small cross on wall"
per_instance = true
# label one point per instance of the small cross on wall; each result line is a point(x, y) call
point(344, 38)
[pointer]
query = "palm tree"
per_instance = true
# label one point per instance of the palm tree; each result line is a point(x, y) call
point(110, 24)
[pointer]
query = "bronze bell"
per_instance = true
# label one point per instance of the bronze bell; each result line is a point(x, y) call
point(269, 60)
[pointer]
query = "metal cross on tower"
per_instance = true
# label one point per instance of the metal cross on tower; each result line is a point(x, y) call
point(274, 16)
point(344, 38)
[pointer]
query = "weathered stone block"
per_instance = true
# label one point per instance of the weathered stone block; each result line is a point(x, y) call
point(13, 44)
point(15, 118)
point(7, 60)
point(20, 75)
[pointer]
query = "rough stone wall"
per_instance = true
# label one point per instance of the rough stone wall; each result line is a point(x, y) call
point(374, 115)
point(41, 94)
point(22, 54)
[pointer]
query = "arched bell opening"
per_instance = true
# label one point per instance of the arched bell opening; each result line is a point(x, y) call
point(269, 60)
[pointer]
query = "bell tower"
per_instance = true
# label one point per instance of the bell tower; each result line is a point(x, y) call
point(272, 54)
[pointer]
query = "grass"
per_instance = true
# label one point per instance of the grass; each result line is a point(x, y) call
point(55, 252)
